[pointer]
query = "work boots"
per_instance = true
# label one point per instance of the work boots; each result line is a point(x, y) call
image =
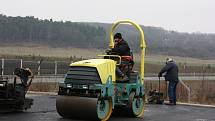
point(123, 78)
point(171, 103)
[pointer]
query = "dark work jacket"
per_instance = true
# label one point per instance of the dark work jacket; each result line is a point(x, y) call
point(122, 49)
point(171, 70)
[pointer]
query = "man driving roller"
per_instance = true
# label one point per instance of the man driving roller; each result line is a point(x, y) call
point(120, 46)
point(122, 49)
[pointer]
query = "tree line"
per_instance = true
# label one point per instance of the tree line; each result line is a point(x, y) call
point(48, 32)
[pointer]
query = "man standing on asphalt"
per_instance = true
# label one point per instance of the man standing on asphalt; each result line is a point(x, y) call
point(171, 70)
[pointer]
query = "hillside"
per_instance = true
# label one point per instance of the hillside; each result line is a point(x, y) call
point(30, 31)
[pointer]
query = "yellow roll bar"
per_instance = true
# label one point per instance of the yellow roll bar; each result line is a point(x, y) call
point(142, 42)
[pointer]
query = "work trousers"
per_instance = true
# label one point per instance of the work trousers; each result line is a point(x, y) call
point(172, 91)
point(122, 71)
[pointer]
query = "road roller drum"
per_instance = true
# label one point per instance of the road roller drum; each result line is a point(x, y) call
point(77, 107)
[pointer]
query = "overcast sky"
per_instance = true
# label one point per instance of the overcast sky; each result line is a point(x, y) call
point(178, 15)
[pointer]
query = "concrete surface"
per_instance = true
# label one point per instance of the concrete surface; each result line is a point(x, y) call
point(44, 110)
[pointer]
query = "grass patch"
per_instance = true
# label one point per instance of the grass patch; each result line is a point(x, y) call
point(44, 87)
point(65, 53)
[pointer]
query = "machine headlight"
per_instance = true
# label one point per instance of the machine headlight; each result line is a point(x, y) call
point(69, 86)
point(1, 85)
point(84, 86)
point(62, 84)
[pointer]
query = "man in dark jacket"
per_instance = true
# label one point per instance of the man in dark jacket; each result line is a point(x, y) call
point(121, 48)
point(171, 70)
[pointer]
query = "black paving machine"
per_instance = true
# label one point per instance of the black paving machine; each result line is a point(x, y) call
point(12, 93)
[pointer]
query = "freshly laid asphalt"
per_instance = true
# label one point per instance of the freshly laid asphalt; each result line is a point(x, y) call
point(44, 110)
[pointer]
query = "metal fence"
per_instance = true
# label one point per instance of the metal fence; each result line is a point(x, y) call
point(196, 88)
point(7, 66)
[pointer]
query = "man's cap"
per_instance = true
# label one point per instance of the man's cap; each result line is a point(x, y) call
point(169, 59)
point(118, 36)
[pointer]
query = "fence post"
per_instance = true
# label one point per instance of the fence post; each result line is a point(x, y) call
point(2, 66)
point(189, 94)
point(38, 69)
point(55, 72)
point(20, 63)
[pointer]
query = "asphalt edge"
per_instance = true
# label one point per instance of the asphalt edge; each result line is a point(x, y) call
point(197, 105)
point(41, 93)
point(193, 104)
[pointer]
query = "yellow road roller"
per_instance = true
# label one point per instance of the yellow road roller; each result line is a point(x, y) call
point(91, 89)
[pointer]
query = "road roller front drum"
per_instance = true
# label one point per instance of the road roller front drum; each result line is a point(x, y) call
point(84, 108)
point(75, 107)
